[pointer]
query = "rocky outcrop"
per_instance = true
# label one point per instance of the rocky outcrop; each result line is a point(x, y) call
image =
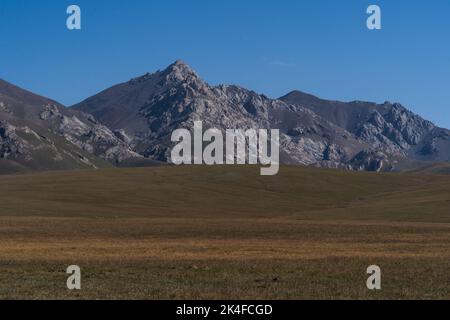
point(370, 161)
point(11, 144)
point(4, 108)
point(96, 139)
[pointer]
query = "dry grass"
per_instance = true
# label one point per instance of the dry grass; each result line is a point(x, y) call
point(224, 232)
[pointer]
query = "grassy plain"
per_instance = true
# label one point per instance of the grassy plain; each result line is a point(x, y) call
point(224, 233)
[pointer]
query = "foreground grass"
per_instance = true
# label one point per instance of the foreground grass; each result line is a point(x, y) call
point(332, 278)
point(224, 233)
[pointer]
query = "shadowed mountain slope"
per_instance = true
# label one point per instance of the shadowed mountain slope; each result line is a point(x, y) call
point(37, 133)
point(388, 126)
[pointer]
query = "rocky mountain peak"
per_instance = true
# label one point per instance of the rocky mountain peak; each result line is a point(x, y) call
point(356, 135)
point(179, 71)
point(132, 122)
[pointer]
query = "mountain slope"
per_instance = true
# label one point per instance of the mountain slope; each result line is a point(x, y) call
point(148, 109)
point(388, 126)
point(40, 134)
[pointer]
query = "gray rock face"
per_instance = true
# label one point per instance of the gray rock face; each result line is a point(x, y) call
point(434, 146)
point(31, 149)
point(388, 128)
point(370, 161)
point(4, 108)
point(87, 134)
point(11, 144)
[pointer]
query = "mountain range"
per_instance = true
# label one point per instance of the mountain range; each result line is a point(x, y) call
point(130, 124)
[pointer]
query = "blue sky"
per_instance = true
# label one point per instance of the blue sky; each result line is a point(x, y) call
point(318, 46)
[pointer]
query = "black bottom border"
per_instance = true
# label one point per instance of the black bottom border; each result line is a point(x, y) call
point(223, 309)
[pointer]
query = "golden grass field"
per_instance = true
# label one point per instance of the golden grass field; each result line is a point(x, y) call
point(224, 232)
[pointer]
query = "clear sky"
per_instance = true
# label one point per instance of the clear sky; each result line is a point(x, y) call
point(270, 46)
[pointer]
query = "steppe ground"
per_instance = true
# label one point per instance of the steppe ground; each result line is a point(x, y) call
point(199, 232)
